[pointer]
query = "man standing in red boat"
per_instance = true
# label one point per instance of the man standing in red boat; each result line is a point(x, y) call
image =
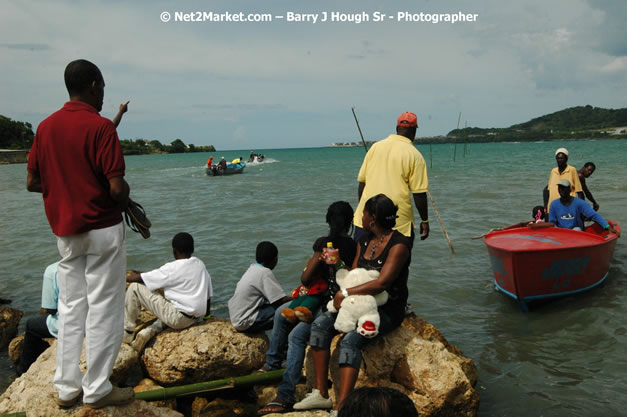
point(585, 173)
point(567, 210)
point(563, 171)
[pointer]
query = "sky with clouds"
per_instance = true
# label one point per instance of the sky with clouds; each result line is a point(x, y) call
point(278, 84)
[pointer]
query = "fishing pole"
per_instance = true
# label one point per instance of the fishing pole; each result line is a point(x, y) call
point(435, 208)
point(359, 128)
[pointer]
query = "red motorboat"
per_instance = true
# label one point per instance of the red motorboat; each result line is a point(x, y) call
point(535, 263)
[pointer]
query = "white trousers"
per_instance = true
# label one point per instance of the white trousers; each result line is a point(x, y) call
point(91, 306)
point(138, 296)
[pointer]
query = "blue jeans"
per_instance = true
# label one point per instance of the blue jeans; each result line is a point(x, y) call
point(322, 332)
point(294, 338)
point(263, 320)
point(34, 345)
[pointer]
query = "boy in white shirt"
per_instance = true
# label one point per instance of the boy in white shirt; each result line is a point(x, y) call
point(187, 293)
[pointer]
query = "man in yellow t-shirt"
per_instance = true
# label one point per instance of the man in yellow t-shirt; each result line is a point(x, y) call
point(563, 171)
point(397, 169)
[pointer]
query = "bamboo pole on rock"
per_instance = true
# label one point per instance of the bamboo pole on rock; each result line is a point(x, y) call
point(227, 383)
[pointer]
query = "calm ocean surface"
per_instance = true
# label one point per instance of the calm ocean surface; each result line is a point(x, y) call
point(566, 358)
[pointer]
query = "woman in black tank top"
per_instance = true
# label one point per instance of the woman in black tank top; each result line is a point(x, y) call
point(386, 251)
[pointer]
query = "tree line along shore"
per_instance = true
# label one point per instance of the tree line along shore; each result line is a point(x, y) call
point(574, 123)
point(16, 139)
point(581, 122)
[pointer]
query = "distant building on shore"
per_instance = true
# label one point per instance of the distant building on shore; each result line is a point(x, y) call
point(350, 144)
point(10, 156)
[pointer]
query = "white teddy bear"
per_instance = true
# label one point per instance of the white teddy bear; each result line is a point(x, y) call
point(358, 311)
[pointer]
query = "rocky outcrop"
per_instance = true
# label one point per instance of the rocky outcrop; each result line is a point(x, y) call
point(15, 348)
point(211, 350)
point(9, 320)
point(417, 360)
point(219, 407)
point(34, 390)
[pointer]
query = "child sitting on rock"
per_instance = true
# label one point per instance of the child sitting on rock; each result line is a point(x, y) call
point(318, 278)
point(258, 293)
point(187, 292)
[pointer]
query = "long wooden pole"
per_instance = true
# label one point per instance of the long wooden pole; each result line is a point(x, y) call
point(359, 128)
point(173, 392)
point(450, 244)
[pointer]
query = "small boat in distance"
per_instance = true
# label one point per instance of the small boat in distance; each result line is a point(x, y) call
point(230, 169)
point(258, 157)
point(539, 263)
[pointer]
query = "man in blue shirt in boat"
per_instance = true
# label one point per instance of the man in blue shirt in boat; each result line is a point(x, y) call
point(567, 211)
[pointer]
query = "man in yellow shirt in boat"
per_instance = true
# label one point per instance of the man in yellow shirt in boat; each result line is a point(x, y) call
point(563, 171)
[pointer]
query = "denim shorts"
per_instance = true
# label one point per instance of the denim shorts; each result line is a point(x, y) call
point(322, 332)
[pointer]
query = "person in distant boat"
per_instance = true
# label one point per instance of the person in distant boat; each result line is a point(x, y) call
point(252, 157)
point(45, 324)
point(187, 292)
point(395, 167)
point(566, 211)
point(222, 164)
point(118, 117)
point(584, 173)
point(563, 171)
point(210, 162)
point(258, 293)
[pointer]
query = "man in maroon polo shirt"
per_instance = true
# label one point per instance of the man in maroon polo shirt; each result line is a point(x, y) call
point(76, 162)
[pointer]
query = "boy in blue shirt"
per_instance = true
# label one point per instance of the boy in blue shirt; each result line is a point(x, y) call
point(43, 325)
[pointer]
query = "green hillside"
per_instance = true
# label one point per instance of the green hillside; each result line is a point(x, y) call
point(582, 122)
point(577, 118)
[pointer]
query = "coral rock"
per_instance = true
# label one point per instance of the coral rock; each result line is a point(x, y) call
point(208, 351)
point(9, 320)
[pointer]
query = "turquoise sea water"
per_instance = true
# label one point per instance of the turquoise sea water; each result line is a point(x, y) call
point(564, 358)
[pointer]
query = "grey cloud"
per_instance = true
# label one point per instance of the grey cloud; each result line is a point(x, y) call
point(240, 106)
point(613, 31)
point(26, 46)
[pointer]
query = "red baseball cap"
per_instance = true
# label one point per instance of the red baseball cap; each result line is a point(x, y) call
point(407, 119)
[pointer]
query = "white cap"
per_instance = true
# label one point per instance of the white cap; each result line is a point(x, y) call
point(562, 150)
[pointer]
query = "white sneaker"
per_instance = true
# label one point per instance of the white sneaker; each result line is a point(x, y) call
point(313, 400)
point(128, 337)
point(142, 338)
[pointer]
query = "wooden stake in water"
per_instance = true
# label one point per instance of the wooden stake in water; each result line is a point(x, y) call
point(455, 140)
point(465, 136)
